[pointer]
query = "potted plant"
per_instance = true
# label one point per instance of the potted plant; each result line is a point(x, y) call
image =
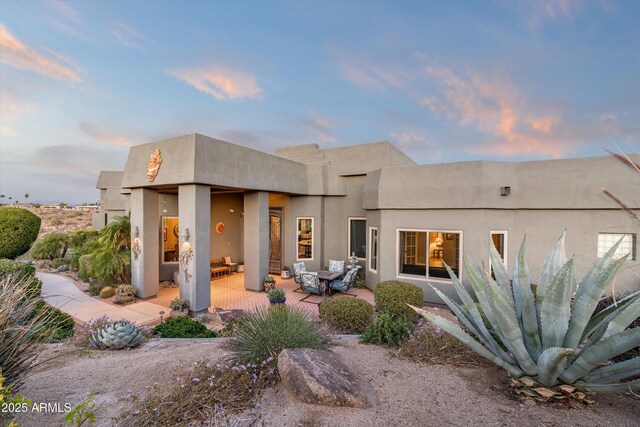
point(269, 283)
point(179, 307)
point(286, 273)
point(125, 293)
point(276, 296)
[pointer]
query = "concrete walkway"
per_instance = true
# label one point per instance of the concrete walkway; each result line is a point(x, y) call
point(60, 292)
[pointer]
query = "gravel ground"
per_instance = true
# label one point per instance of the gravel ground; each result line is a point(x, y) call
point(409, 394)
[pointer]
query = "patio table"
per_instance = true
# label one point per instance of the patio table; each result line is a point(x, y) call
point(326, 277)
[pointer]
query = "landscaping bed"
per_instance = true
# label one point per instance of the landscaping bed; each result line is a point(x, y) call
point(409, 393)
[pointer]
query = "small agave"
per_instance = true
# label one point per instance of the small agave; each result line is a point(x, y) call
point(547, 334)
point(117, 335)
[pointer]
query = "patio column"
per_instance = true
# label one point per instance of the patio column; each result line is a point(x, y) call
point(194, 212)
point(256, 239)
point(145, 222)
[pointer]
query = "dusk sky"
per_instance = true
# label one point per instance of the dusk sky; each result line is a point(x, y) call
point(81, 82)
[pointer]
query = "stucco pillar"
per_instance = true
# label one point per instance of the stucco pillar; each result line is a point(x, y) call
point(256, 239)
point(194, 212)
point(145, 266)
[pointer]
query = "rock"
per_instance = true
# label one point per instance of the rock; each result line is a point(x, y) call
point(227, 316)
point(63, 267)
point(322, 377)
point(107, 292)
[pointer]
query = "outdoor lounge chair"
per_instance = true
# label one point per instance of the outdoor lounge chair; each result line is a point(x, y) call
point(345, 284)
point(336, 266)
point(311, 284)
point(298, 269)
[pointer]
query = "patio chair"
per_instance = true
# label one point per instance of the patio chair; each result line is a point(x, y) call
point(345, 284)
point(336, 266)
point(311, 284)
point(298, 269)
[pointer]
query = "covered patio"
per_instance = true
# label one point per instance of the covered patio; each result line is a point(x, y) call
point(229, 293)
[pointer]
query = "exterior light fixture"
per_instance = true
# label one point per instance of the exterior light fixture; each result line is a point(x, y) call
point(185, 234)
point(231, 211)
point(135, 233)
point(164, 207)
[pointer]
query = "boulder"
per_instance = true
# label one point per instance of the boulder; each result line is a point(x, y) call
point(107, 292)
point(63, 268)
point(322, 377)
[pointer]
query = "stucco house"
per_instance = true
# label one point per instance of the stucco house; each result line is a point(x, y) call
point(194, 199)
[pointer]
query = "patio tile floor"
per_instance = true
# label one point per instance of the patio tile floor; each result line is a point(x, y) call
point(229, 294)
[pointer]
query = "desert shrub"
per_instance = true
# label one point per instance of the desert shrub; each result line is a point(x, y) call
point(204, 393)
point(230, 329)
point(265, 332)
point(96, 287)
point(51, 246)
point(84, 264)
point(393, 296)
point(59, 262)
point(346, 315)
point(179, 304)
point(22, 271)
point(389, 330)
point(81, 242)
point(433, 346)
point(183, 327)
point(83, 332)
point(108, 266)
point(117, 336)
point(22, 332)
point(60, 325)
point(55, 220)
point(18, 230)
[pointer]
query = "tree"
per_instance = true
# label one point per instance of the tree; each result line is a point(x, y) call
point(26, 196)
point(2, 199)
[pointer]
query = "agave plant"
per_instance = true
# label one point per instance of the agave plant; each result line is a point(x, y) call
point(546, 334)
point(117, 335)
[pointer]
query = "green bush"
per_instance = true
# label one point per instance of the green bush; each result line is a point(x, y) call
point(51, 246)
point(84, 263)
point(346, 315)
point(393, 296)
point(18, 230)
point(265, 332)
point(96, 287)
point(389, 330)
point(59, 326)
point(183, 327)
point(81, 242)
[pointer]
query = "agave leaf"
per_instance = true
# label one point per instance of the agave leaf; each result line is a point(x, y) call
point(468, 320)
point(606, 314)
point(628, 386)
point(551, 364)
point(555, 309)
point(596, 269)
point(525, 304)
point(618, 370)
point(509, 327)
point(625, 317)
point(603, 350)
point(466, 339)
point(590, 291)
point(554, 261)
point(469, 303)
point(499, 270)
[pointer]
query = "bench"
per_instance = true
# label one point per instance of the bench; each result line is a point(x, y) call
point(219, 269)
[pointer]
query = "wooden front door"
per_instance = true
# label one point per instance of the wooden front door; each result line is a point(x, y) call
point(275, 241)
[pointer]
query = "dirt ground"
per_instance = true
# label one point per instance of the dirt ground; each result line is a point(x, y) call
point(409, 394)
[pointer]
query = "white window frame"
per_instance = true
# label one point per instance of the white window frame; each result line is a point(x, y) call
point(634, 243)
point(370, 248)
point(313, 236)
point(351, 218)
point(506, 247)
point(427, 278)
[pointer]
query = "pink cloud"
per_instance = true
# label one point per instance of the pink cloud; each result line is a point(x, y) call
point(128, 36)
point(105, 136)
point(321, 126)
point(541, 11)
point(16, 54)
point(221, 82)
point(11, 111)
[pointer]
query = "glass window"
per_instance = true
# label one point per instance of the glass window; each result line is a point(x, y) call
point(358, 237)
point(171, 240)
point(305, 238)
point(443, 248)
point(413, 254)
point(499, 239)
point(373, 255)
point(607, 240)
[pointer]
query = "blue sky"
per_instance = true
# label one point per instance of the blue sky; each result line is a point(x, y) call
point(80, 82)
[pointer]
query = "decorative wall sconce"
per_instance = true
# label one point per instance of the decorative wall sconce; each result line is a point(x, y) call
point(136, 248)
point(164, 206)
point(241, 213)
point(231, 211)
point(185, 234)
point(135, 233)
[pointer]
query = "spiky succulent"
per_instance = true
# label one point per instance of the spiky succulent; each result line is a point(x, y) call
point(117, 335)
point(548, 332)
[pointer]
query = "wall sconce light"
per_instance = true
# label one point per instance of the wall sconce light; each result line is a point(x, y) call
point(241, 213)
point(136, 248)
point(231, 211)
point(185, 234)
point(164, 207)
point(135, 233)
